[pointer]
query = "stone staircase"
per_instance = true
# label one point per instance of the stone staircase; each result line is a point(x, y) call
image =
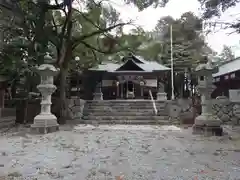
point(124, 112)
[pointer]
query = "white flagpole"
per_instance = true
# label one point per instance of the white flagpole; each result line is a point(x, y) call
point(172, 75)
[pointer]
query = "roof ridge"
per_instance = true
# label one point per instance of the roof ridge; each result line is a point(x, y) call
point(108, 62)
point(226, 62)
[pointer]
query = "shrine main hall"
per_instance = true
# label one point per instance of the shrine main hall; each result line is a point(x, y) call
point(133, 78)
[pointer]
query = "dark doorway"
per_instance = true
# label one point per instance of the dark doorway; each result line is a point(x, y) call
point(127, 86)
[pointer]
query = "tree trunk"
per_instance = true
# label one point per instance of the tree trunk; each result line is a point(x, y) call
point(63, 108)
point(65, 57)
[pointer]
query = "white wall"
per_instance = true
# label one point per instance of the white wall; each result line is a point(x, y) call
point(234, 95)
point(106, 83)
point(149, 82)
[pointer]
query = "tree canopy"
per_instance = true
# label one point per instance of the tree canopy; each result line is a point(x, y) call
point(189, 45)
point(66, 26)
point(212, 8)
point(215, 7)
point(226, 55)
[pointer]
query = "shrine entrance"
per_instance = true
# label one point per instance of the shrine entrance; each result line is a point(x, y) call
point(129, 87)
point(129, 90)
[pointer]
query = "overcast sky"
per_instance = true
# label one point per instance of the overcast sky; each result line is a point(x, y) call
point(149, 17)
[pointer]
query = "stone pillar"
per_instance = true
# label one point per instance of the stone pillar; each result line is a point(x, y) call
point(117, 84)
point(206, 123)
point(46, 122)
point(142, 84)
point(122, 90)
point(161, 95)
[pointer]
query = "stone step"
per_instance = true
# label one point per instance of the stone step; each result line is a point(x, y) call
point(110, 109)
point(125, 113)
point(118, 105)
point(126, 103)
point(108, 113)
point(140, 111)
point(92, 117)
point(132, 101)
point(119, 114)
point(135, 122)
point(122, 107)
point(7, 119)
point(122, 110)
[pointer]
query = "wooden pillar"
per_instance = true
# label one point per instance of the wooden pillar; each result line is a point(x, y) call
point(117, 89)
point(133, 89)
point(127, 90)
point(2, 95)
point(121, 90)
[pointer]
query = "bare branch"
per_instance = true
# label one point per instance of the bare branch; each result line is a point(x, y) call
point(230, 33)
point(100, 31)
point(102, 51)
point(55, 6)
point(94, 54)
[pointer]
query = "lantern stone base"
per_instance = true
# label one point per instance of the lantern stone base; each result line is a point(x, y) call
point(45, 123)
point(162, 96)
point(208, 130)
point(207, 124)
point(98, 96)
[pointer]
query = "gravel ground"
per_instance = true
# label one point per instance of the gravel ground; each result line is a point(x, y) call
point(101, 153)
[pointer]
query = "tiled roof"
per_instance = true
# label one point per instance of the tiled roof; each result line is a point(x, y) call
point(153, 66)
point(109, 67)
point(147, 66)
point(229, 67)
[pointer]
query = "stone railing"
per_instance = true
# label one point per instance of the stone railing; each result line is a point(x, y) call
point(183, 111)
point(178, 111)
point(153, 102)
point(228, 112)
point(75, 108)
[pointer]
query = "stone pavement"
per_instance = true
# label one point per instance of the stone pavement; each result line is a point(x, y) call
point(103, 152)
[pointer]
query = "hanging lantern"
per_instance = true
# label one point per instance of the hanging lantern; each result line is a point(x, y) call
point(113, 83)
point(142, 83)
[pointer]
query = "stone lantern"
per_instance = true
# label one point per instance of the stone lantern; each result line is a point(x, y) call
point(206, 122)
point(46, 122)
point(98, 95)
point(161, 95)
point(142, 84)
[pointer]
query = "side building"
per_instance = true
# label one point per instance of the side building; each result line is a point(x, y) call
point(227, 78)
